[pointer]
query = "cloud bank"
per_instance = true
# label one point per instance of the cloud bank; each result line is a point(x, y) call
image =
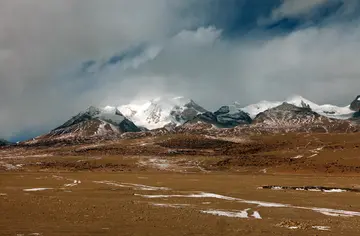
point(59, 57)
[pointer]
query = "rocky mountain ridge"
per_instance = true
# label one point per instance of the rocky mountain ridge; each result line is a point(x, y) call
point(93, 122)
point(160, 112)
point(327, 110)
point(178, 114)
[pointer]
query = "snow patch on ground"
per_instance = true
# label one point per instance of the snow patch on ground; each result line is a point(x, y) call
point(314, 190)
point(277, 188)
point(313, 155)
point(133, 186)
point(75, 183)
point(293, 227)
point(256, 215)
point(326, 211)
point(265, 204)
point(311, 189)
point(196, 195)
point(335, 190)
point(335, 214)
point(169, 205)
point(146, 187)
point(321, 228)
point(110, 183)
point(36, 189)
point(235, 214)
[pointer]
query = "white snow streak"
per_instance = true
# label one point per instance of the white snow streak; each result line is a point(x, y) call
point(131, 185)
point(326, 211)
point(36, 189)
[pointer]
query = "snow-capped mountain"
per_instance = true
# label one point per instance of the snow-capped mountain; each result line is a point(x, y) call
point(178, 114)
point(161, 111)
point(135, 117)
point(290, 118)
point(93, 122)
point(327, 110)
point(225, 117)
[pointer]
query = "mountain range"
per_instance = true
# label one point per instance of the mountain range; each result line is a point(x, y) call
point(294, 114)
point(327, 110)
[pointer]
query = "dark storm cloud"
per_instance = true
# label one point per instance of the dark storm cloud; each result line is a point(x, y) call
point(41, 40)
point(59, 57)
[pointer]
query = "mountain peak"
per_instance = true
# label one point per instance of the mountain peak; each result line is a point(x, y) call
point(291, 107)
point(92, 122)
point(92, 111)
point(327, 110)
point(160, 111)
point(355, 105)
point(300, 101)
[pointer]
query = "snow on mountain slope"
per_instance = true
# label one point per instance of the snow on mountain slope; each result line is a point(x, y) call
point(327, 110)
point(254, 109)
point(108, 114)
point(225, 117)
point(291, 118)
point(161, 111)
point(93, 122)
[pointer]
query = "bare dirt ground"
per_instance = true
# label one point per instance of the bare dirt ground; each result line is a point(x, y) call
point(293, 184)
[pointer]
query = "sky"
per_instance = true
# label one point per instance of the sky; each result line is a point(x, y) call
point(59, 57)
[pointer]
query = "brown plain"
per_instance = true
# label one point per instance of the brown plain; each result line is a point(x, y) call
point(97, 189)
